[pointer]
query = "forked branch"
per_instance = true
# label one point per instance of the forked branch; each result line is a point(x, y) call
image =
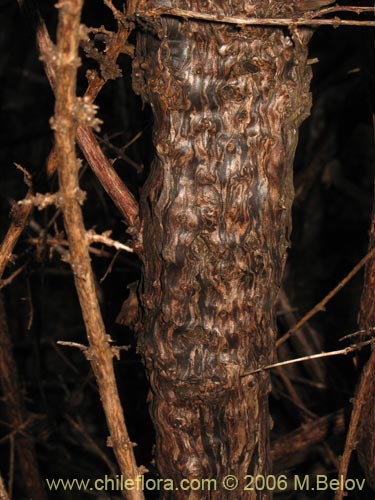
point(65, 124)
point(108, 177)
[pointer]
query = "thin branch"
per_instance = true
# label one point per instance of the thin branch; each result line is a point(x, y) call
point(320, 306)
point(93, 446)
point(76, 345)
point(20, 215)
point(340, 8)
point(249, 21)
point(41, 201)
point(361, 430)
point(11, 467)
point(101, 356)
point(8, 374)
point(111, 182)
point(339, 352)
point(114, 48)
point(351, 436)
point(120, 151)
point(16, 412)
point(106, 240)
point(7, 281)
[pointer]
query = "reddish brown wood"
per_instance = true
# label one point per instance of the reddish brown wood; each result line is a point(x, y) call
point(291, 449)
point(216, 217)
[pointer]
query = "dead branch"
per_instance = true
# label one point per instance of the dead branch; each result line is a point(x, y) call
point(254, 21)
point(106, 240)
point(41, 201)
point(8, 375)
point(111, 182)
point(352, 434)
point(287, 450)
point(20, 214)
point(7, 281)
point(320, 306)
point(339, 352)
point(16, 412)
point(68, 33)
point(361, 427)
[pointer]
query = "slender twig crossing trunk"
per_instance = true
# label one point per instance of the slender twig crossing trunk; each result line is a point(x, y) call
point(216, 221)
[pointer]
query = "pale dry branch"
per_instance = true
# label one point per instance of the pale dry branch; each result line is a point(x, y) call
point(106, 240)
point(339, 352)
point(41, 201)
point(76, 345)
point(341, 8)
point(106, 174)
point(20, 215)
point(101, 356)
point(249, 21)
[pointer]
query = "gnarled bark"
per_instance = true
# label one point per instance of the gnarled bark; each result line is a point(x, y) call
point(216, 222)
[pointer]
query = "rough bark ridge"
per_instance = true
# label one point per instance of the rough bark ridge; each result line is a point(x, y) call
point(216, 222)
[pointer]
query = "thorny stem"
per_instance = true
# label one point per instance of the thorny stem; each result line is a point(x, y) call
point(100, 353)
point(106, 174)
point(254, 21)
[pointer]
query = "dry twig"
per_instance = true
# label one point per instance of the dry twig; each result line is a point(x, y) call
point(339, 352)
point(361, 426)
point(254, 21)
point(111, 182)
point(8, 374)
point(68, 33)
point(320, 306)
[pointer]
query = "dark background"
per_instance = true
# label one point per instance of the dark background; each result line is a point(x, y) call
point(334, 172)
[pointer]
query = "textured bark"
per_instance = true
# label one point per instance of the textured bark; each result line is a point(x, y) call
point(216, 222)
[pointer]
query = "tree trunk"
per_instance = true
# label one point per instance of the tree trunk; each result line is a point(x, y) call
point(216, 213)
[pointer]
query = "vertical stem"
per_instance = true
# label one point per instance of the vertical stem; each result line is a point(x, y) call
point(99, 352)
point(216, 216)
point(362, 421)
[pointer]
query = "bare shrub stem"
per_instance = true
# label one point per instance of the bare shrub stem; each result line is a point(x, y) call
point(65, 125)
